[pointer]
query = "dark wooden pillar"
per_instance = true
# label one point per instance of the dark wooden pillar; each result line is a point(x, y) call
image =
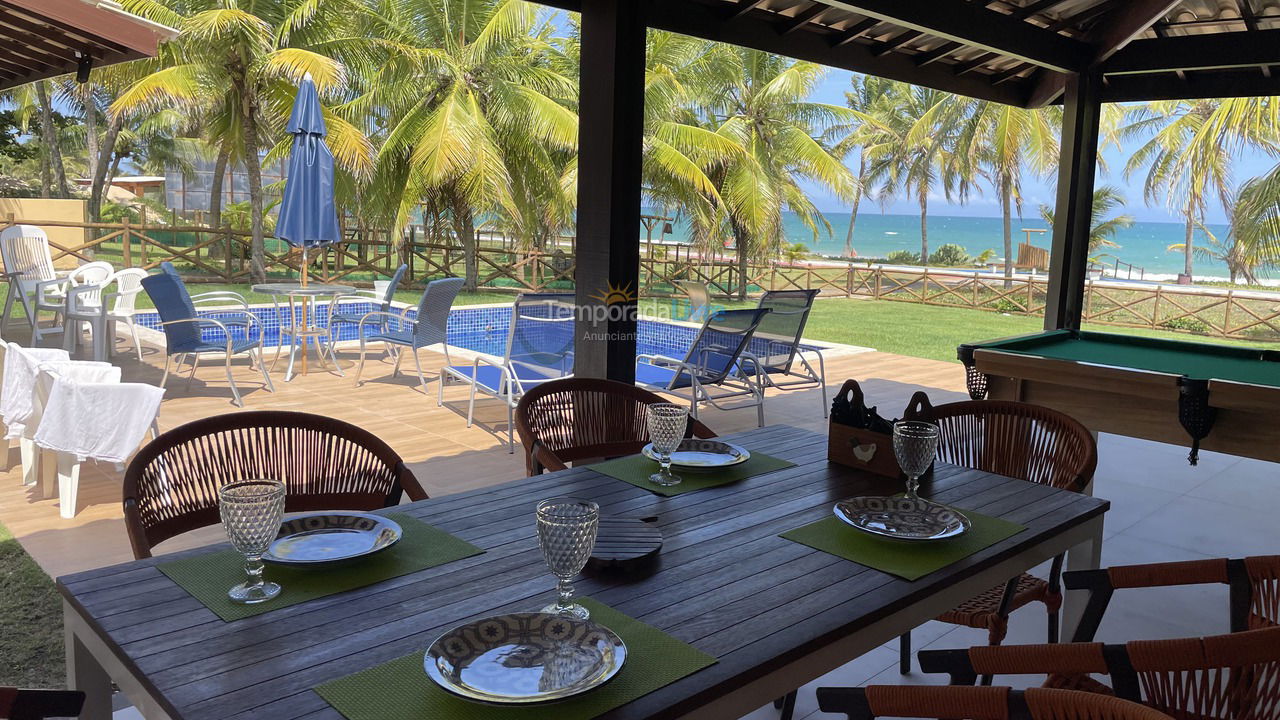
point(1077, 166)
point(610, 148)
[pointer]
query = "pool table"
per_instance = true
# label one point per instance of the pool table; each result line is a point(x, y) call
point(1164, 390)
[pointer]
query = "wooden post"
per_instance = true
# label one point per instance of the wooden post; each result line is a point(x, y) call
point(1155, 308)
point(126, 242)
point(610, 142)
point(1073, 216)
point(1226, 314)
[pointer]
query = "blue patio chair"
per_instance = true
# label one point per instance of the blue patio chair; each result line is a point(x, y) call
point(717, 359)
point(539, 348)
point(430, 327)
point(777, 345)
point(352, 317)
point(185, 330)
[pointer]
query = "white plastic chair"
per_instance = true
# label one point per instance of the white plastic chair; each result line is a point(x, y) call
point(82, 298)
point(28, 265)
point(103, 312)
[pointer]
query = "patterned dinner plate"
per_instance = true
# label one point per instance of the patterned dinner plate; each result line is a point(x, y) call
point(524, 658)
point(698, 454)
point(902, 518)
point(318, 538)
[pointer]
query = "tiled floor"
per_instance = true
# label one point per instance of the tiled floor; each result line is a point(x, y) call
point(1162, 509)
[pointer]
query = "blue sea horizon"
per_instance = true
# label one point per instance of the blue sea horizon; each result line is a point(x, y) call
point(1145, 244)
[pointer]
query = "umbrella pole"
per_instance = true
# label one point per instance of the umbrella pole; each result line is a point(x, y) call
point(305, 302)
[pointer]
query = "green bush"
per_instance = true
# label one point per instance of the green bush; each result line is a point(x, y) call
point(903, 257)
point(951, 255)
point(1186, 324)
point(1005, 305)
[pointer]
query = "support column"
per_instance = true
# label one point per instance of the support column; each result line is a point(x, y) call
point(610, 149)
point(1073, 215)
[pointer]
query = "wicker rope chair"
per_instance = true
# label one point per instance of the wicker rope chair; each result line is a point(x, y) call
point(576, 419)
point(1254, 584)
point(171, 486)
point(1223, 677)
point(1017, 440)
point(16, 704)
point(980, 703)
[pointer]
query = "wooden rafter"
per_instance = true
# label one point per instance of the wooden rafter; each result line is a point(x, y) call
point(804, 17)
point(858, 29)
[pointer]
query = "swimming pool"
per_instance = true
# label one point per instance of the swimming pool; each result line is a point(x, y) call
point(481, 329)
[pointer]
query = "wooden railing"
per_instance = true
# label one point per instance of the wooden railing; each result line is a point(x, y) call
point(207, 255)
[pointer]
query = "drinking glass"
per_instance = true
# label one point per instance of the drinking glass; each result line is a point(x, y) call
point(251, 512)
point(567, 534)
point(914, 444)
point(667, 425)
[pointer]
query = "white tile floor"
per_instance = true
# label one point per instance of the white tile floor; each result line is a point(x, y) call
point(1161, 509)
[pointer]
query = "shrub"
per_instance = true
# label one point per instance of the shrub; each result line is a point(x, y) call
point(950, 255)
point(902, 257)
point(1005, 305)
point(1186, 324)
point(985, 256)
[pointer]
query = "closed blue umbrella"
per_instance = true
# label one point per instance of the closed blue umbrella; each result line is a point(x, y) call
point(308, 215)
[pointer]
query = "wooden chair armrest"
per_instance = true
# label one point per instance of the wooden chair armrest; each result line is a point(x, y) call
point(964, 666)
point(1101, 584)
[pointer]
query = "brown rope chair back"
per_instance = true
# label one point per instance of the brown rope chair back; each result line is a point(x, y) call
point(171, 486)
point(1014, 439)
point(577, 419)
point(979, 703)
point(1264, 583)
point(1224, 677)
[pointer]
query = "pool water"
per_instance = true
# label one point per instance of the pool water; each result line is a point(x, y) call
point(480, 329)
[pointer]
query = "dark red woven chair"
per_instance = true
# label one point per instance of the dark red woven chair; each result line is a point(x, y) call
point(1223, 677)
point(171, 486)
point(1254, 584)
point(577, 419)
point(979, 703)
point(1017, 440)
point(16, 704)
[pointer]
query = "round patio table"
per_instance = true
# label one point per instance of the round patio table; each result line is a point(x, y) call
point(302, 324)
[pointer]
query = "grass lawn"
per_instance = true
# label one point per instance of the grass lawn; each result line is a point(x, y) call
point(30, 621)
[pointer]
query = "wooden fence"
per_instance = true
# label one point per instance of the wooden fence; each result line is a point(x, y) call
point(204, 255)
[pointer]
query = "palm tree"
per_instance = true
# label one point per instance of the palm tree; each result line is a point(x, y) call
point(1103, 229)
point(1189, 150)
point(867, 91)
point(759, 102)
point(1253, 242)
point(236, 64)
point(909, 147)
point(470, 99)
point(998, 141)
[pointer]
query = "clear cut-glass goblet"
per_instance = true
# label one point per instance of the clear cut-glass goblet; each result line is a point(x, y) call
point(252, 511)
point(667, 424)
point(914, 444)
point(567, 534)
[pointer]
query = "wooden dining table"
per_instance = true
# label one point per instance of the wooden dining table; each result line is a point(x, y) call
point(775, 613)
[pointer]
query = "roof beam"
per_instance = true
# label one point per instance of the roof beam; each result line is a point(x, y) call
point(897, 41)
point(804, 17)
point(976, 26)
point(1121, 26)
point(1208, 84)
point(698, 20)
point(1212, 51)
point(856, 31)
point(744, 7)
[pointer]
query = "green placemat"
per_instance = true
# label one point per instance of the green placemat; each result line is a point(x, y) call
point(401, 690)
point(209, 576)
point(636, 469)
point(906, 559)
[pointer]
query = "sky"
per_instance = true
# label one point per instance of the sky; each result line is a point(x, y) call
point(1035, 190)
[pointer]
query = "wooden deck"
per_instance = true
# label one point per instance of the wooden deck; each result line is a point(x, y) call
point(446, 455)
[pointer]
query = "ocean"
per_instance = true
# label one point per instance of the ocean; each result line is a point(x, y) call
point(875, 235)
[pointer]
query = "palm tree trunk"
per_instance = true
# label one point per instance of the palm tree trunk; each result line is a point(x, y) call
point(46, 176)
point(253, 169)
point(102, 161)
point(464, 228)
point(924, 228)
point(49, 135)
point(1187, 251)
point(853, 207)
point(741, 248)
point(215, 186)
point(1006, 212)
point(90, 127)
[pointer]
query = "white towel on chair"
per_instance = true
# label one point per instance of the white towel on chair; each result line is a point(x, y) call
point(103, 421)
point(20, 368)
point(80, 371)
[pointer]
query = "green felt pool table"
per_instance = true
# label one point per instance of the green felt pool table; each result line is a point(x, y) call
point(1162, 390)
